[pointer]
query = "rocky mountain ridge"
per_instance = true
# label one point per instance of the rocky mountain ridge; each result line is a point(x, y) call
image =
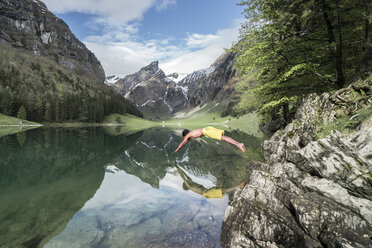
point(311, 192)
point(146, 89)
point(155, 93)
point(30, 26)
point(211, 84)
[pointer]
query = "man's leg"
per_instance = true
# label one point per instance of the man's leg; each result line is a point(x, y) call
point(234, 142)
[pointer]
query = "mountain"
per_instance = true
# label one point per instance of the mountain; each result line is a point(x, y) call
point(206, 85)
point(112, 79)
point(131, 81)
point(29, 25)
point(147, 89)
point(157, 94)
point(46, 72)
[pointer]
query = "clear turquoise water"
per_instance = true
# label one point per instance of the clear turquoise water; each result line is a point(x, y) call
point(88, 188)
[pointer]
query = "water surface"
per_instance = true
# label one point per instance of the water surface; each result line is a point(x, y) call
point(92, 188)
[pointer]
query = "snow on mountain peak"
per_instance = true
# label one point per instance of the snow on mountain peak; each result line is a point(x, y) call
point(112, 79)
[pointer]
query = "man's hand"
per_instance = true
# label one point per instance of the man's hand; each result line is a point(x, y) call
point(185, 140)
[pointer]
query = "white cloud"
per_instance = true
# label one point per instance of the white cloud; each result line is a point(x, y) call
point(213, 46)
point(122, 53)
point(112, 12)
point(164, 4)
point(117, 60)
point(115, 34)
point(201, 40)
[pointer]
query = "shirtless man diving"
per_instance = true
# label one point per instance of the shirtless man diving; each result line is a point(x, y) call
point(210, 132)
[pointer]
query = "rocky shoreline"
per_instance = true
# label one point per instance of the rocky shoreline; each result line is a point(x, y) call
point(311, 192)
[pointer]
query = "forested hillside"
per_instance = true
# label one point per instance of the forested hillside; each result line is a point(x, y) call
point(36, 88)
point(294, 48)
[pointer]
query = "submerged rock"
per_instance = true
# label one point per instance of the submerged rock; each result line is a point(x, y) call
point(311, 192)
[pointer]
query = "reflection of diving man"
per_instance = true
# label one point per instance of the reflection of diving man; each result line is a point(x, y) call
point(214, 192)
point(210, 132)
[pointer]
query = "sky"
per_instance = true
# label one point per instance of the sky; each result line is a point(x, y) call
point(125, 35)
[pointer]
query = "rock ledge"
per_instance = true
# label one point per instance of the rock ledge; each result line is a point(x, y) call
point(311, 192)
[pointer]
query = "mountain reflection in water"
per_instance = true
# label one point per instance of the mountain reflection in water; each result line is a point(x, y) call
point(85, 188)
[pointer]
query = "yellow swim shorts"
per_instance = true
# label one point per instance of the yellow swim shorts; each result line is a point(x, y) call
point(213, 133)
point(213, 193)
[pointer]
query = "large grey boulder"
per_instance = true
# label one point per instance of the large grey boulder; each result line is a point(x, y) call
point(311, 192)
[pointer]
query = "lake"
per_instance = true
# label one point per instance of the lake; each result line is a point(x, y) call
point(92, 187)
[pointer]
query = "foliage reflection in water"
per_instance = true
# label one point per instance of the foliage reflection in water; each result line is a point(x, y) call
point(86, 188)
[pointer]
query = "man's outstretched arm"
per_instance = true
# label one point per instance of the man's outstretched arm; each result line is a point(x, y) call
point(185, 140)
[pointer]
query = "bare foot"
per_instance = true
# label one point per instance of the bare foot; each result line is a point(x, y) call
point(242, 185)
point(241, 147)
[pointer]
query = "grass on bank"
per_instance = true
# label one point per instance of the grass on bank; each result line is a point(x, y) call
point(11, 125)
point(117, 124)
point(9, 120)
point(72, 124)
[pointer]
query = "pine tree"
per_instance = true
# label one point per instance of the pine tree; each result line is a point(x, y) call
point(299, 47)
point(48, 112)
point(39, 109)
point(57, 111)
point(22, 114)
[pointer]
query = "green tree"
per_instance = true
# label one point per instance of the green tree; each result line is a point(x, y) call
point(7, 101)
point(39, 109)
point(48, 112)
point(365, 64)
point(57, 110)
point(22, 114)
point(299, 47)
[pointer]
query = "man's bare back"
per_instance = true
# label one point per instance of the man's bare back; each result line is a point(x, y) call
point(196, 133)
